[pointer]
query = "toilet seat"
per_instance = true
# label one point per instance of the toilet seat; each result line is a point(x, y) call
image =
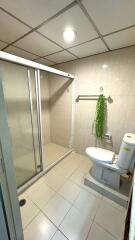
point(100, 155)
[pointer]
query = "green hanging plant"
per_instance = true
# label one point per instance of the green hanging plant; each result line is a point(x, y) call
point(100, 117)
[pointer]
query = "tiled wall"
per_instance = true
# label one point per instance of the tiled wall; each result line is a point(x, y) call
point(118, 81)
point(60, 109)
point(56, 109)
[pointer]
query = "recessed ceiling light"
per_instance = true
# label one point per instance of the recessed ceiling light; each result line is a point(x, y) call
point(104, 66)
point(69, 34)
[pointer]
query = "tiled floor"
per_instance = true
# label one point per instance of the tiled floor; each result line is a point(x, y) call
point(53, 152)
point(25, 164)
point(60, 207)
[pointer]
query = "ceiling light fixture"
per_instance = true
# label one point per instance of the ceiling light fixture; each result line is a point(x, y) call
point(104, 66)
point(69, 34)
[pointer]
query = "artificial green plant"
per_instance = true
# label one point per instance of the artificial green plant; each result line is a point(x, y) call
point(100, 117)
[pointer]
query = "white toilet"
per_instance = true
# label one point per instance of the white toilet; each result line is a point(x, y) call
point(107, 166)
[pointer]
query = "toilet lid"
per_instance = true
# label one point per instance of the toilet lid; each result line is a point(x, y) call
point(100, 154)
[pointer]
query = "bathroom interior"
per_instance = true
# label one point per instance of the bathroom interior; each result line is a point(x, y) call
point(68, 81)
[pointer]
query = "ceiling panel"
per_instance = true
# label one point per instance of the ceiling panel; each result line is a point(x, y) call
point(33, 12)
point(62, 56)
point(75, 18)
point(121, 39)
point(37, 44)
point(45, 61)
point(19, 52)
point(111, 15)
point(10, 28)
point(2, 45)
point(89, 48)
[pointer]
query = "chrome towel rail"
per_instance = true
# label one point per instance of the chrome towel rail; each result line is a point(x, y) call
point(92, 97)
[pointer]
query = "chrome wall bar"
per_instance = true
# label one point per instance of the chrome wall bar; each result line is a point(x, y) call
point(91, 97)
point(22, 61)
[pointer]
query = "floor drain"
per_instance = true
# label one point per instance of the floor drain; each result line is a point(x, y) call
point(22, 202)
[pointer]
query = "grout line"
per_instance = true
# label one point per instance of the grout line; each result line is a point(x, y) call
point(71, 205)
point(106, 230)
point(40, 210)
point(31, 219)
point(84, 10)
point(89, 229)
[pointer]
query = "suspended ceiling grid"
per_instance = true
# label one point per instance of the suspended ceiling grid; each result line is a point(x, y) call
point(33, 29)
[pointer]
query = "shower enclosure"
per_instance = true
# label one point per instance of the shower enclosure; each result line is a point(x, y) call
point(39, 125)
point(56, 105)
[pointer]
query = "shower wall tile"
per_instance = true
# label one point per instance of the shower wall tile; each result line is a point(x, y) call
point(118, 81)
point(60, 109)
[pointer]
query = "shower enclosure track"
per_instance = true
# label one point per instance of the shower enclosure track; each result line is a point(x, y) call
point(22, 61)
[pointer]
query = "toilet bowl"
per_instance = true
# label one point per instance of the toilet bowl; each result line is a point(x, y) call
point(107, 166)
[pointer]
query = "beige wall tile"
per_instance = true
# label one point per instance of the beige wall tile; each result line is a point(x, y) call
point(118, 81)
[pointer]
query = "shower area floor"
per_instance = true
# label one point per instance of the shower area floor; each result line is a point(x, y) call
point(54, 152)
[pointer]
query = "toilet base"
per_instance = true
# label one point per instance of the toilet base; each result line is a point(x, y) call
point(106, 176)
point(120, 197)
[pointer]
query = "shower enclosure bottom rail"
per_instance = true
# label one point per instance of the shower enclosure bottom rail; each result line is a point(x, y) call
point(42, 173)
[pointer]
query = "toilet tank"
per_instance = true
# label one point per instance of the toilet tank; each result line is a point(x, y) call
point(127, 150)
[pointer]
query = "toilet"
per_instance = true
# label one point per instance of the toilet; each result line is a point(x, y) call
point(108, 167)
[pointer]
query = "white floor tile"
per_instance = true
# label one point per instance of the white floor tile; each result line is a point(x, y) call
point(59, 236)
point(53, 152)
point(54, 181)
point(69, 191)
point(42, 195)
point(35, 185)
point(87, 203)
point(56, 209)
point(98, 233)
point(39, 229)
point(114, 204)
point(28, 212)
point(77, 177)
point(69, 168)
point(75, 225)
point(92, 191)
point(111, 219)
point(85, 166)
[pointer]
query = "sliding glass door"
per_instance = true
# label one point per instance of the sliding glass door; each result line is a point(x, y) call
point(21, 100)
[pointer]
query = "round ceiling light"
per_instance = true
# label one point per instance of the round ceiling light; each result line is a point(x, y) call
point(104, 66)
point(69, 34)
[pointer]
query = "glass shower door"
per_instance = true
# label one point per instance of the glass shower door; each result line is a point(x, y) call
point(23, 128)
